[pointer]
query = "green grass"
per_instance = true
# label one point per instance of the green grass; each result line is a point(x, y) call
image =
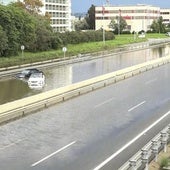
point(74, 50)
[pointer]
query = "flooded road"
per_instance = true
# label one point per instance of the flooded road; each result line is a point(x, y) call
point(58, 76)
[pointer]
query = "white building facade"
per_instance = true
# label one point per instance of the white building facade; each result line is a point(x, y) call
point(138, 17)
point(165, 13)
point(60, 12)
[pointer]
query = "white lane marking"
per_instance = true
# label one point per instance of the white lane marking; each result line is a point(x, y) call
point(130, 142)
point(107, 101)
point(54, 153)
point(12, 144)
point(150, 81)
point(136, 106)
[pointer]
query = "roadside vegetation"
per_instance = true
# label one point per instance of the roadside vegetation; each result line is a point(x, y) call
point(74, 49)
point(163, 162)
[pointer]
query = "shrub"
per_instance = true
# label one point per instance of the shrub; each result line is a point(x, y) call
point(140, 32)
point(164, 162)
point(77, 37)
point(126, 32)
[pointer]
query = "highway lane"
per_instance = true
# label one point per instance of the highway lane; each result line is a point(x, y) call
point(83, 132)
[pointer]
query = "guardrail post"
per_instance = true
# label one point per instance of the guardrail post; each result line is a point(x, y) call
point(168, 131)
point(164, 140)
point(155, 149)
point(145, 158)
point(133, 164)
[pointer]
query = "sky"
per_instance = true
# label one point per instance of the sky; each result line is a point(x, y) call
point(84, 5)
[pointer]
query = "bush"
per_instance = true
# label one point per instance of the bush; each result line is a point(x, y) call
point(77, 37)
point(164, 162)
point(126, 32)
point(141, 32)
point(151, 31)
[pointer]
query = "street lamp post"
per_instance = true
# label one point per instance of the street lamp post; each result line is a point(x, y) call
point(103, 36)
point(119, 22)
point(103, 10)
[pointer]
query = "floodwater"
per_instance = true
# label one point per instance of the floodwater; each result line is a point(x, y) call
point(58, 76)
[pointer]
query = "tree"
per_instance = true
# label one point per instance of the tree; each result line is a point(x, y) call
point(113, 25)
point(161, 25)
point(32, 6)
point(43, 34)
point(26, 27)
point(158, 26)
point(81, 25)
point(36, 32)
point(119, 25)
point(8, 24)
point(3, 42)
point(154, 26)
point(90, 18)
point(19, 27)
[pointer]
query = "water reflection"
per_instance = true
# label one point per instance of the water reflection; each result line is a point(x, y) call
point(58, 76)
point(14, 89)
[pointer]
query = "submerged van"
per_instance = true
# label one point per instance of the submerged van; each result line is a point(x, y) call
point(36, 80)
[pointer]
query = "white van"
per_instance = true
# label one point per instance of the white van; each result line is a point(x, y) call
point(36, 80)
point(168, 34)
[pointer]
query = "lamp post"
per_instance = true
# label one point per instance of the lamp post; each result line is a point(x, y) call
point(103, 10)
point(103, 36)
point(119, 22)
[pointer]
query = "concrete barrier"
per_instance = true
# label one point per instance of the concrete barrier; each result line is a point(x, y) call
point(27, 105)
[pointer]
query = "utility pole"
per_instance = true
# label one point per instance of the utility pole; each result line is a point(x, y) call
point(103, 10)
point(119, 22)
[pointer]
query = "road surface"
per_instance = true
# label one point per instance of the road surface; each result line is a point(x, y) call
point(90, 132)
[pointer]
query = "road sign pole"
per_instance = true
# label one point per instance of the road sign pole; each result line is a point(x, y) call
point(64, 51)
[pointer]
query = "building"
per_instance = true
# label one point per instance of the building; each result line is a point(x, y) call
point(138, 17)
point(60, 12)
point(165, 13)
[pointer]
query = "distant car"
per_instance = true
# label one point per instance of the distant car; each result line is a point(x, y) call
point(25, 74)
point(36, 80)
point(142, 35)
point(168, 34)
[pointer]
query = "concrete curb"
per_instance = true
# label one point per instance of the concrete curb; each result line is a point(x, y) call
point(27, 105)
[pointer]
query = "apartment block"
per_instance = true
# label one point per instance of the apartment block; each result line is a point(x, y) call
point(60, 12)
point(138, 17)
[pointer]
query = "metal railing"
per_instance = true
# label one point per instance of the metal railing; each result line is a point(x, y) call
point(149, 151)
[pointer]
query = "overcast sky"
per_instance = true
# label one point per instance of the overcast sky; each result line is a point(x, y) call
point(84, 5)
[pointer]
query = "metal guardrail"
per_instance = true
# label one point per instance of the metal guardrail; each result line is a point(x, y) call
point(158, 41)
point(149, 151)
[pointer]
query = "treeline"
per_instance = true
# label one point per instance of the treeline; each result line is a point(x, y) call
point(19, 26)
